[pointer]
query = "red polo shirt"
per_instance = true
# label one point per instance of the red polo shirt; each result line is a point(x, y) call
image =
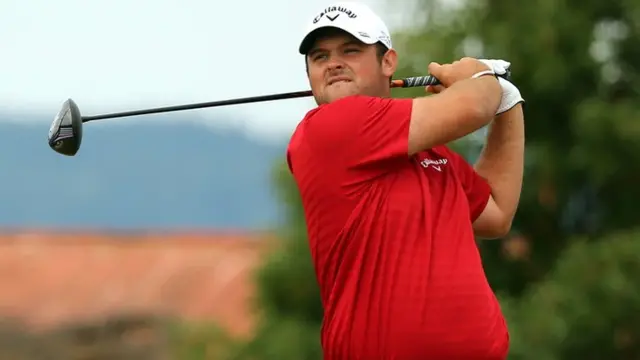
point(391, 238)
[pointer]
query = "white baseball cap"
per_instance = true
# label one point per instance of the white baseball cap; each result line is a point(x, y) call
point(355, 18)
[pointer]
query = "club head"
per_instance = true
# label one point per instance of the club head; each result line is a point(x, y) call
point(65, 133)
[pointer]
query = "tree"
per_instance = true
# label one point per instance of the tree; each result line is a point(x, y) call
point(587, 308)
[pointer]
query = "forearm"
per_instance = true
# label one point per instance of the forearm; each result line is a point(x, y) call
point(482, 96)
point(465, 107)
point(502, 160)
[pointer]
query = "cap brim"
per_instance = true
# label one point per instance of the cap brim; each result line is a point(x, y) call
point(310, 38)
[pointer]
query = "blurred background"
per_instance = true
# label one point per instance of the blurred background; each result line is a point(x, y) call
point(180, 236)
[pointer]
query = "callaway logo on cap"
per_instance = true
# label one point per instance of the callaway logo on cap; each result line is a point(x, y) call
point(355, 18)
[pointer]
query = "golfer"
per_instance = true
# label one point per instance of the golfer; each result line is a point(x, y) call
point(392, 213)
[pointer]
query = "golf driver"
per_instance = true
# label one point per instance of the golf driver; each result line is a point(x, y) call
point(65, 133)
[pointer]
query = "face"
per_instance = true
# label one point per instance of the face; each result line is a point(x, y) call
point(339, 65)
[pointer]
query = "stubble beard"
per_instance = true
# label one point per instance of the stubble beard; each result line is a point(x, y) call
point(341, 90)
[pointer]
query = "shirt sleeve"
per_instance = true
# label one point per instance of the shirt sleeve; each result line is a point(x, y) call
point(476, 187)
point(369, 136)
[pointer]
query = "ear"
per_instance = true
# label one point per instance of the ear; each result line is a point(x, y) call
point(389, 63)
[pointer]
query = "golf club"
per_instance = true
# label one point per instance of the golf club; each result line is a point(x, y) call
point(65, 133)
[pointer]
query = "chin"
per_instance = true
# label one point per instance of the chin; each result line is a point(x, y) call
point(339, 91)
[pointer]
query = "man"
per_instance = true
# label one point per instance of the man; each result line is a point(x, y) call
point(392, 212)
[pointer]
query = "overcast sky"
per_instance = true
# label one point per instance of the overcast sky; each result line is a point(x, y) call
point(124, 54)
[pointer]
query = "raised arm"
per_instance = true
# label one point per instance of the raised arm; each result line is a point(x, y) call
point(502, 164)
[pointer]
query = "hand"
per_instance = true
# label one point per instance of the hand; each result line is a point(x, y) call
point(510, 93)
point(448, 74)
point(499, 67)
point(510, 96)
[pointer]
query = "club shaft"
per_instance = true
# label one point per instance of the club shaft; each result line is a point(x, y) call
point(290, 95)
point(407, 82)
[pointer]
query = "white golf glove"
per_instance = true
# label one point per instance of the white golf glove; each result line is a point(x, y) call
point(499, 67)
point(510, 93)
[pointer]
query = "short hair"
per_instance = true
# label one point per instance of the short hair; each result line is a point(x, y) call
point(381, 49)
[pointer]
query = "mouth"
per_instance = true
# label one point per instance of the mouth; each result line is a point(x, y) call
point(338, 80)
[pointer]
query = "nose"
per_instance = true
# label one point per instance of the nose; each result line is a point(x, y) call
point(335, 63)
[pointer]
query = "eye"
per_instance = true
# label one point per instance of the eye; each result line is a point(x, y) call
point(319, 57)
point(352, 50)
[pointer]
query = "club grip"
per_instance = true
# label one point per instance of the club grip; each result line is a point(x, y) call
point(420, 81)
point(428, 80)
